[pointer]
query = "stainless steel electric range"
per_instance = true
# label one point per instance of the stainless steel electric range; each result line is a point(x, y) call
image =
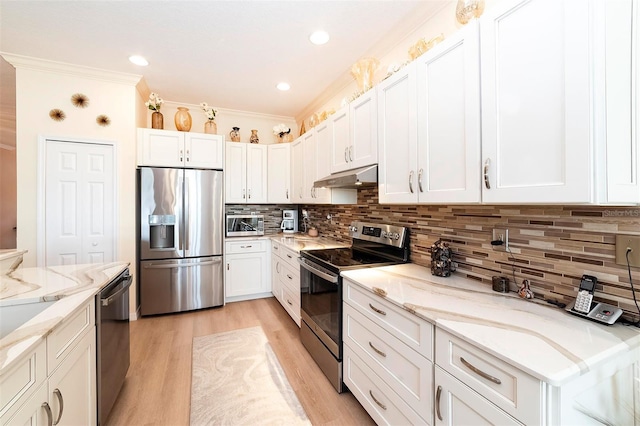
point(321, 288)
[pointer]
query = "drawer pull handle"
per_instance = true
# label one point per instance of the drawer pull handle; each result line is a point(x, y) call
point(289, 302)
point(58, 395)
point(378, 351)
point(480, 372)
point(381, 312)
point(384, 407)
point(289, 256)
point(289, 276)
point(438, 394)
point(46, 407)
point(246, 246)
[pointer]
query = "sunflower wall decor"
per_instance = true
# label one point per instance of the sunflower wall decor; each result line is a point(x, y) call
point(79, 100)
point(57, 114)
point(103, 120)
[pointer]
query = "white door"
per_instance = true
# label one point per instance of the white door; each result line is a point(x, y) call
point(309, 161)
point(279, 173)
point(340, 140)
point(203, 151)
point(536, 74)
point(79, 203)
point(363, 121)
point(161, 148)
point(297, 170)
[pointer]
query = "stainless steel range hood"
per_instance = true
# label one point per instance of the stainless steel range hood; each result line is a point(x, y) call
point(356, 178)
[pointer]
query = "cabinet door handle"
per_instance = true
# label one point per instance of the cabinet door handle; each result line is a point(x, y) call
point(420, 180)
point(346, 155)
point(287, 194)
point(249, 192)
point(480, 372)
point(47, 409)
point(487, 163)
point(411, 181)
point(278, 267)
point(378, 351)
point(188, 159)
point(351, 153)
point(227, 266)
point(384, 407)
point(381, 312)
point(181, 156)
point(438, 394)
point(58, 395)
point(243, 194)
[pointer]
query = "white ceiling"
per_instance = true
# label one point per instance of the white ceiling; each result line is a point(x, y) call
point(230, 54)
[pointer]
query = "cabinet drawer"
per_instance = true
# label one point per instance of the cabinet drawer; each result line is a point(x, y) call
point(276, 248)
point(382, 404)
point(509, 388)
point(291, 303)
point(62, 340)
point(246, 246)
point(456, 403)
point(404, 370)
point(22, 380)
point(408, 328)
point(290, 278)
point(291, 257)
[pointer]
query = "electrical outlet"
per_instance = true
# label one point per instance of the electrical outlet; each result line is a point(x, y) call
point(500, 235)
point(628, 241)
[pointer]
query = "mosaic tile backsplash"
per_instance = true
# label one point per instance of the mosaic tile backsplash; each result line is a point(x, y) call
point(551, 246)
point(272, 214)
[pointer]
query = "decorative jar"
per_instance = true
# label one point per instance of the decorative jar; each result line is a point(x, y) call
point(210, 127)
point(182, 119)
point(234, 134)
point(466, 10)
point(254, 136)
point(157, 120)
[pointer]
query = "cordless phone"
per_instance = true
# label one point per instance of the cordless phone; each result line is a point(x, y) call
point(585, 307)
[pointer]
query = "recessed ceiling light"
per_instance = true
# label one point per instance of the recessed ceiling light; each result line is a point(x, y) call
point(319, 37)
point(139, 60)
point(283, 86)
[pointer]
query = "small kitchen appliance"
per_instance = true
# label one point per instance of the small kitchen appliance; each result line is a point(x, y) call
point(289, 221)
point(321, 288)
point(245, 225)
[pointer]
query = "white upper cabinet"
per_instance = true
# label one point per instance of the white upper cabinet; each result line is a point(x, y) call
point(536, 84)
point(448, 79)
point(245, 173)
point(322, 160)
point(166, 148)
point(340, 143)
point(279, 173)
point(310, 166)
point(363, 132)
point(397, 137)
point(297, 170)
point(621, 117)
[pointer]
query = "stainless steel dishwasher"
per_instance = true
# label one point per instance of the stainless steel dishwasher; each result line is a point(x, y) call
point(112, 321)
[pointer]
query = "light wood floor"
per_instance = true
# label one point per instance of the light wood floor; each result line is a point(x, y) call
point(157, 389)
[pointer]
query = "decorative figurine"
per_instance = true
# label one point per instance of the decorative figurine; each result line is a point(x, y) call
point(235, 134)
point(254, 137)
point(525, 291)
point(441, 263)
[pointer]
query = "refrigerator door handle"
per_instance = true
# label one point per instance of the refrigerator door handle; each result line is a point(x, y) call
point(187, 191)
point(181, 265)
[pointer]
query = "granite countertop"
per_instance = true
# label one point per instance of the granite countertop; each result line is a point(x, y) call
point(70, 287)
point(540, 339)
point(301, 241)
point(9, 253)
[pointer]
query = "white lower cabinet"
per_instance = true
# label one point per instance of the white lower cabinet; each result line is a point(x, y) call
point(457, 404)
point(67, 395)
point(387, 358)
point(246, 272)
point(286, 279)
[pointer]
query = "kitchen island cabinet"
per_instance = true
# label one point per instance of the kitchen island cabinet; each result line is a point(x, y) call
point(510, 360)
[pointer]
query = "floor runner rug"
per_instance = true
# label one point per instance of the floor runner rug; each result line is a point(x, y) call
point(237, 380)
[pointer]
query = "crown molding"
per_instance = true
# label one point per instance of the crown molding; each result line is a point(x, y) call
point(27, 62)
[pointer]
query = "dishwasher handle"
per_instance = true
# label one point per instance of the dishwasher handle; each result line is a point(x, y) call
point(106, 301)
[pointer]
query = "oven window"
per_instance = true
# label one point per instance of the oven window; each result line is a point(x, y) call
point(322, 302)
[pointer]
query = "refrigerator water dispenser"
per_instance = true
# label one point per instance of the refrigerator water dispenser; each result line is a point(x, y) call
point(162, 231)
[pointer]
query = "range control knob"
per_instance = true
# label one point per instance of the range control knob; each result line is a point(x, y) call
point(384, 234)
point(353, 229)
point(396, 236)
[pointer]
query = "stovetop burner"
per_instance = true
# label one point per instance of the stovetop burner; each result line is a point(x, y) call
point(345, 257)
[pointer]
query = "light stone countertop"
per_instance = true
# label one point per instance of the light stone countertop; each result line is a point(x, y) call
point(300, 241)
point(545, 341)
point(9, 253)
point(70, 287)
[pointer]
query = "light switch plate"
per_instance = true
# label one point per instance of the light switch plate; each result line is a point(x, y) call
point(632, 242)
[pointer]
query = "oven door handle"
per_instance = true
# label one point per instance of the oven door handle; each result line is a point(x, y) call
point(331, 278)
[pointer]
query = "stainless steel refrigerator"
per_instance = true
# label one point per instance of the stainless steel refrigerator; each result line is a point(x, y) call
point(181, 215)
